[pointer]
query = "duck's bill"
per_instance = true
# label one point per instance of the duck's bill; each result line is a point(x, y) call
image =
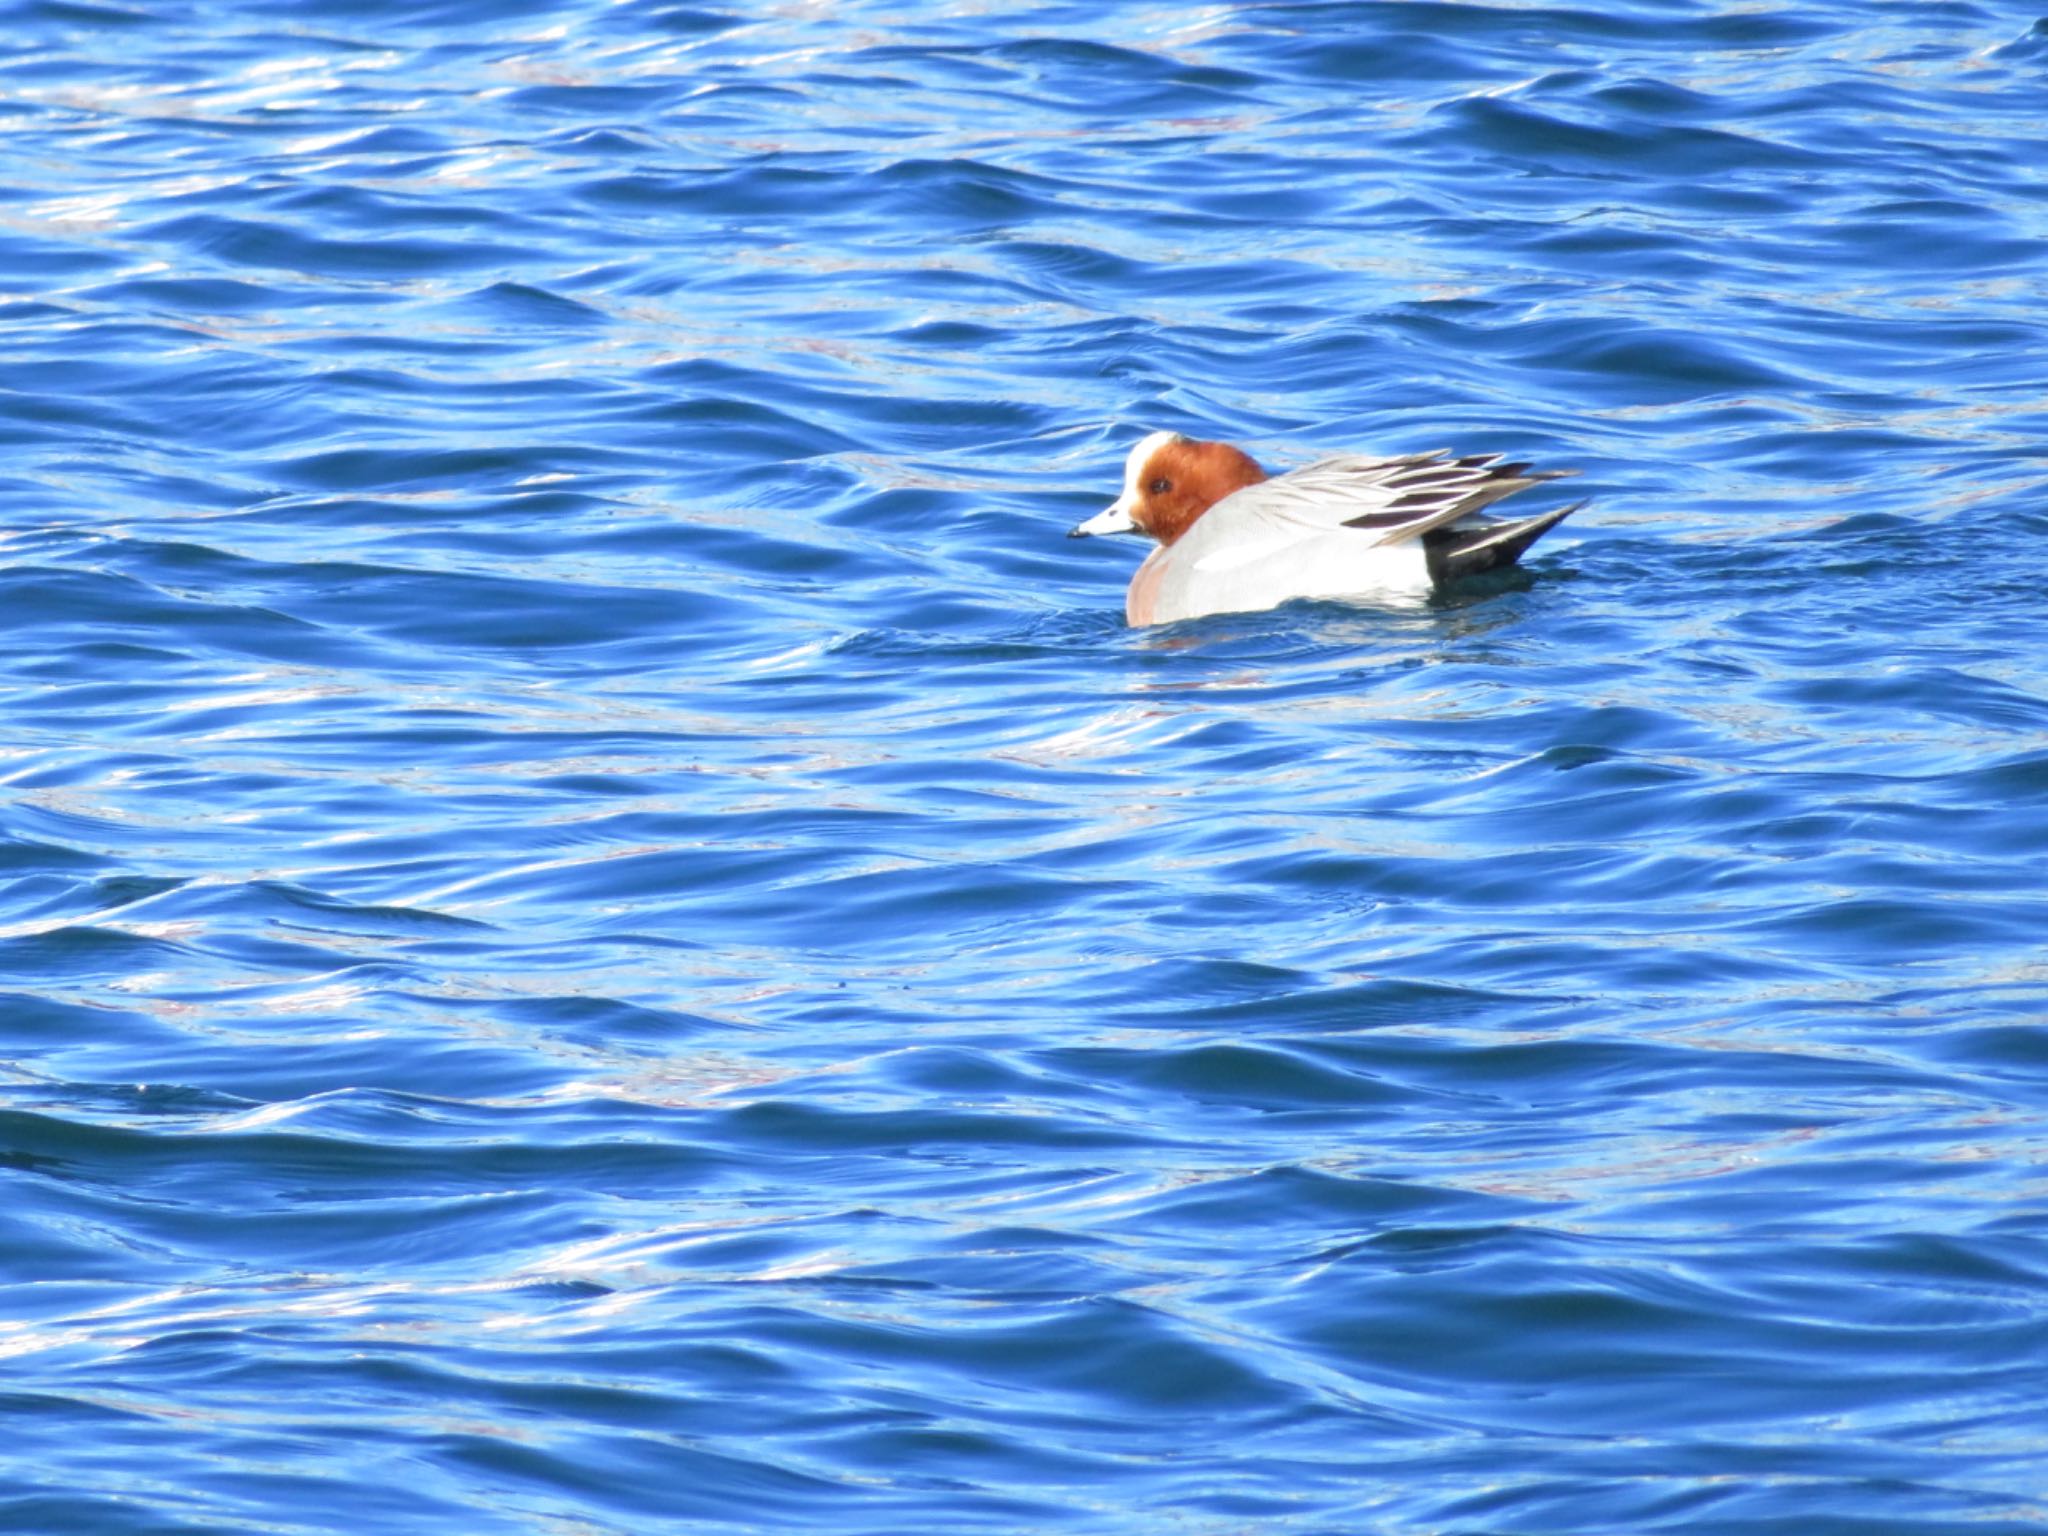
point(1111, 519)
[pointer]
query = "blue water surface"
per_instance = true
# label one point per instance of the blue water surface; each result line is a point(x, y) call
point(604, 930)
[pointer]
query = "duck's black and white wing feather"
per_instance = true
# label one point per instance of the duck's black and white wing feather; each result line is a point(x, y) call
point(1392, 499)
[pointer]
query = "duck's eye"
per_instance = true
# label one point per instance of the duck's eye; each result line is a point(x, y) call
point(1160, 486)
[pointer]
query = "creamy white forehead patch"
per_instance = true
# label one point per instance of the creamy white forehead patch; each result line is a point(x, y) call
point(1141, 455)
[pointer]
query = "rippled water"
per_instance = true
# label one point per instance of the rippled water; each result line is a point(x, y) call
point(606, 931)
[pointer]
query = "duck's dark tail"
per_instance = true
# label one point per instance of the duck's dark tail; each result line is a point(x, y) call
point(1485, 544)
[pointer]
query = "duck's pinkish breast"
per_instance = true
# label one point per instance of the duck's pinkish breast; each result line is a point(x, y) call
point(1142, 601)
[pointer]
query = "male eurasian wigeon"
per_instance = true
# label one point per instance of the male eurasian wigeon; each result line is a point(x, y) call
point(1233, 538)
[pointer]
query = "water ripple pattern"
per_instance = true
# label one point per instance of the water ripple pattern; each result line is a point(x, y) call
point(603, 929)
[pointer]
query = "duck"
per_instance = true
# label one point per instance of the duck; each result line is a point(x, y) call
point(1233, 538)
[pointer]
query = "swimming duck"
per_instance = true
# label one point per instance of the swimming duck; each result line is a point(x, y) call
point(1233, 538)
